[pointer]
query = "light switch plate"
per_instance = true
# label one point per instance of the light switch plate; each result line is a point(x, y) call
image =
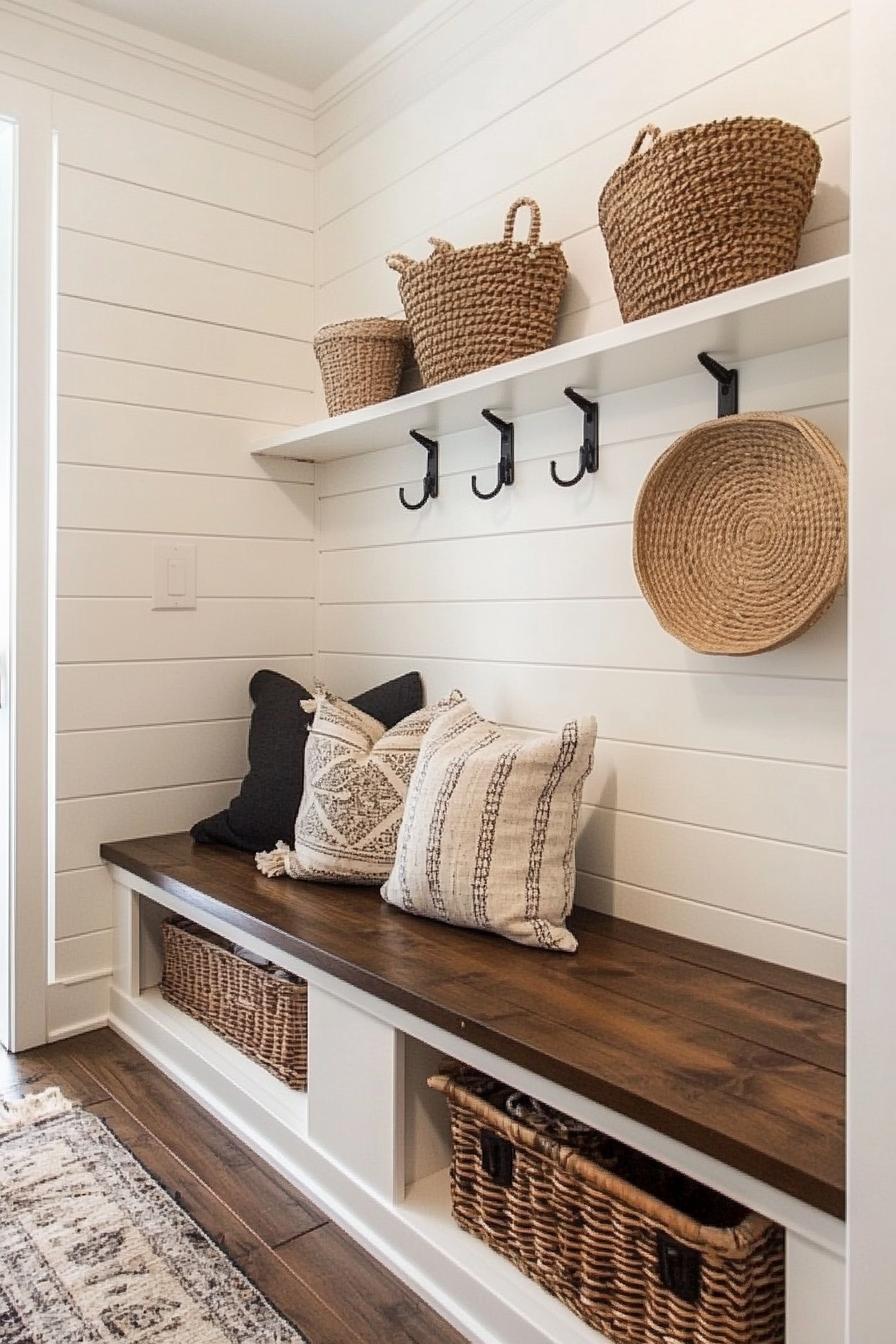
point(174, 577)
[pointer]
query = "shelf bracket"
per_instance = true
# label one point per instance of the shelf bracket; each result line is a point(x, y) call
point(727, 381)
point(431, 479)
point(589, 453)
point(505, 463)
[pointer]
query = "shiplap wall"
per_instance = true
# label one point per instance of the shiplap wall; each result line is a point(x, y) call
point(185, 315)
point(717, 804)
point(192, 260)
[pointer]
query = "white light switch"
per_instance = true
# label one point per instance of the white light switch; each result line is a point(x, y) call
point(174, 577)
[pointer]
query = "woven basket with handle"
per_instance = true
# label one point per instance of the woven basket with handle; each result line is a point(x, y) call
point(740, 532)
point(361, 361)
point(473, 307)
point(639, 1252)
point(263, 1016)
point(705, 209)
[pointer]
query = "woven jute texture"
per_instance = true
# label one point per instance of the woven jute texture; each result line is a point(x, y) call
point(593, 1239)
point(740, 532)
point(477, 306)
point(705, 209)
point(265, 1017)
point(361, 361)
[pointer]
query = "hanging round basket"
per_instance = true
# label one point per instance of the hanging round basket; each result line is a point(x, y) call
point(740, 532)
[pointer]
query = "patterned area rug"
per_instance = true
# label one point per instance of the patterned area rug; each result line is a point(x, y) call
point(92, 1249)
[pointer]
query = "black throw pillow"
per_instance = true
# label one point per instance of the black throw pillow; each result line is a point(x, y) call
point(264, 810)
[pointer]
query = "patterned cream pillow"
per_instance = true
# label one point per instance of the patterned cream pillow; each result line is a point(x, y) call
point(489, 829)
point(356, 778)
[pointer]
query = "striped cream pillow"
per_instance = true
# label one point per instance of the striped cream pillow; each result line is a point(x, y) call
point(489, 829)
point(356, 777)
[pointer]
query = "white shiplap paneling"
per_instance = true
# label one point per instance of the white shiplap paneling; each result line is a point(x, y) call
point(134, 213)
point(717, 804)
point(185, 275)
point(82, 824)
point(182, 690)
point(113, 434)
point(789, 61)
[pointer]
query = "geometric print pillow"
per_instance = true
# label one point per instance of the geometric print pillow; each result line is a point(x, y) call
point(356, 778)
point(489, 829)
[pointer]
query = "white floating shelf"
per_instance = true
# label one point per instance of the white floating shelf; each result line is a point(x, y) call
point(803, 307)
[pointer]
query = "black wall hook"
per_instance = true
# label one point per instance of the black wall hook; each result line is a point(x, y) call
point(505, 465)
point(727, 381)
point(590, 449)
point(431, 479)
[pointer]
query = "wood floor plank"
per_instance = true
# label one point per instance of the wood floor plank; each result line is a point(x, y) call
point(272, 1207)
point(333, 1294)
point(319, 1321)
point(49, 1066)
point(372, 1302)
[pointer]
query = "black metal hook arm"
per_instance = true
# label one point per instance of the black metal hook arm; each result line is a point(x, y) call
point(590, 449)
point(431, 479)
point(505, 464)
point(727, 381)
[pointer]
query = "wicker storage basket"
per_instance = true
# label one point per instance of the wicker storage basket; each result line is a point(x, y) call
point(626, 1261)
point(740, 532)
point(479, 306)
point(265, 1017)
point(706, 209)
point(361, 361)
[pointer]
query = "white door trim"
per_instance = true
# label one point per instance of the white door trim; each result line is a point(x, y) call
point(33, 480)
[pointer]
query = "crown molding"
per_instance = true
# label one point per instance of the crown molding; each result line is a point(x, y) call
point(76, 21)
point(426, 18)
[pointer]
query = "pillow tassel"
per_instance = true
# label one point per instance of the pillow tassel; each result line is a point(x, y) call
point(277, 862)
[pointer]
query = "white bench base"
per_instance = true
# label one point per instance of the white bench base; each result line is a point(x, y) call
point(369, 1142)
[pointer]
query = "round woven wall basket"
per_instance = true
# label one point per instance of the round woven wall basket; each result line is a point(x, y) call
point(473, 307)
point(706, 209)
point(740, 532)
point(361, 361)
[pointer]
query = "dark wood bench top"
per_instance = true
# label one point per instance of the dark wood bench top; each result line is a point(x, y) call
point(739, 1058)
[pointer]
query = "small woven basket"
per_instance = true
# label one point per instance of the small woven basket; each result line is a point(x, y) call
point(629, 1262)
point(471, 308)
point(263, 1016)
point(740, 532)
point(706, 209)
point(361, 361)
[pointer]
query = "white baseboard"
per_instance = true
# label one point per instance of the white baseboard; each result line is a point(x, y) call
point(78, 1028)
point(73, 1009)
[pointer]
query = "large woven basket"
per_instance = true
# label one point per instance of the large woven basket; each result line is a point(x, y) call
point(628, 1262)
point(471, 308)
point(361, 361)
point(263, 1016)
point(706, 209)
point(740, 532)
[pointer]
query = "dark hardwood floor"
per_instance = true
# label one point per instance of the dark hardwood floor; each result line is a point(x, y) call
point(331, 1289)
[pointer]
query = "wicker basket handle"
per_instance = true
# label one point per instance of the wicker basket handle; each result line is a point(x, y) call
point(398, 261)
point(534, 223)
point(653, 131)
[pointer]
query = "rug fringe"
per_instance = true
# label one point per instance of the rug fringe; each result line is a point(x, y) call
point(22, 1111)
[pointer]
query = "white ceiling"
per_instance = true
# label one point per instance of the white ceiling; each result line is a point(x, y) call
point(300, 41)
